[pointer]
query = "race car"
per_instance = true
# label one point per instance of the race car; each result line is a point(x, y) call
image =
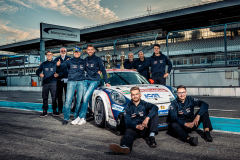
point(107, 103)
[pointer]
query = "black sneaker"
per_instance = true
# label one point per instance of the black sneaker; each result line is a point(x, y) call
point(151, 142)
point(207, 136)
point(65, 122)
point(119, 149)
point(193, 141)
point(55, 113)
point(44, 114)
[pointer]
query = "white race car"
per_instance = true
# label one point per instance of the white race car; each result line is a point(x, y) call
point(108, 102)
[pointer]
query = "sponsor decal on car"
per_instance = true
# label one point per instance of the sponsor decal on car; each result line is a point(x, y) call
point(152, 96)
point(117, 107)
point(126, 92)
point(153, 90)
point(162, 112)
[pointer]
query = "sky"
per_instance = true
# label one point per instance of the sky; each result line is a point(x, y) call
point(20, 19)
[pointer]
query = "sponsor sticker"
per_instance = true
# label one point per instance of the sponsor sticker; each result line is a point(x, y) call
point(162, 107)
point(160, 112)
point(126, 92)
point(117, 107)
point(152, 96)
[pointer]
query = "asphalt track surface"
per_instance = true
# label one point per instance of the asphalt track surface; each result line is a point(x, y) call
point(24, 135)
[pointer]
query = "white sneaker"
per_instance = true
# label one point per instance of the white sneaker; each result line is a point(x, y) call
point(76, 121)
point(82, 121)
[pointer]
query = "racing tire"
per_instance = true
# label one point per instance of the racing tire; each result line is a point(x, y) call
point(99, 113)
point(121, 126)
point(74, 101)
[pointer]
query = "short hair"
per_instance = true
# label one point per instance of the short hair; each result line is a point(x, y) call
point(140, 51)
point(156, 45)
point(63, 48)
point(90, 45)
point(48, 52)
point(130, 53)
point(134, 88)
point(181, 86)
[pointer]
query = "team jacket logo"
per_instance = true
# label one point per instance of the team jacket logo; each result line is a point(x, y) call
point(152, 96)
point(74, 66)
point(87, 64)
point(46, 69)
point(81, 66)
point(161, 61)
point(92, 65)
point(51, 69)
point(154, 62)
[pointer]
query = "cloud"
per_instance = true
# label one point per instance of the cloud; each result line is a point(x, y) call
point(21, 3)
point(7, 8)
point(18, 34)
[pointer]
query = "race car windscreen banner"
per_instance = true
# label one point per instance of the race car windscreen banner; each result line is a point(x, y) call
point(3, 62)
point(16, 61)
point(114, 60)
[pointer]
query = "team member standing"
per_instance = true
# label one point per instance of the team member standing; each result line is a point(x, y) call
point(76, 77)
point(141, 119)
point(127, 63)
point(183, 119)
point(48, 71)
point(93, 64)
point(158, 62)
point(62, 80)
point(139, 62)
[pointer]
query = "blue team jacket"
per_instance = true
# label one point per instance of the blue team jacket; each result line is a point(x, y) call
point(49, 68)
point(158, 64)
point(137, 64)
point(135, 115)
point(93, 65)
point(178, 111)
point(65, 70)
point(127, 64)
point(76, 67)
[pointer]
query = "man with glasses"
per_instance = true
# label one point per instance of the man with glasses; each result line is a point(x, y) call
point(183, 119)
point(158, 62)
point(62, 80)
point(49, 72)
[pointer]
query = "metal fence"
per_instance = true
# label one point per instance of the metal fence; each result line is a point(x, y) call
point(217, 45)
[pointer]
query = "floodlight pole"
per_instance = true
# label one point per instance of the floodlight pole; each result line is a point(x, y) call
point(167, 45)
point(225, 43)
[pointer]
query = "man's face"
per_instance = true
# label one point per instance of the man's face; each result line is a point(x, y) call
point(181, 93)
point(63, 51)
point(135, 95)
point(156, 49)
point(130, 56)
point(49, 56)
point(77, 54)
point(90, 51)
point(141, 55)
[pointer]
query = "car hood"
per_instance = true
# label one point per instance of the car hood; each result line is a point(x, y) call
point(151, 93)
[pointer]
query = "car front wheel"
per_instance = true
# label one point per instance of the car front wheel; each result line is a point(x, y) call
point(99, 113)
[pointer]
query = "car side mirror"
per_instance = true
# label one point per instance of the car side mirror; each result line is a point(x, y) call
point(151, 81)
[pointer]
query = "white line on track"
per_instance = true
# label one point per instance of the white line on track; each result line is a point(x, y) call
point(221, 131)
point(223, 110)
point(225, 117)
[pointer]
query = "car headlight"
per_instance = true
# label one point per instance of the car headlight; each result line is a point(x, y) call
point(117, 98)
point(174, 91)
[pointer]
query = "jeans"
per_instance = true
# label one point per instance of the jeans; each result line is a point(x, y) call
point(132, 134)
point(52, 87)
point(89, 87)
point(71, 87)
point(182, 131)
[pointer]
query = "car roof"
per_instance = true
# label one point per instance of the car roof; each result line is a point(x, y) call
point(119, 70)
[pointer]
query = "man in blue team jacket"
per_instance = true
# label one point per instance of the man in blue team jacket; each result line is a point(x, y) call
point(183, 119)
point(76, 77)
point(158, 62)
point(127, 63)
point(49, 72)
point(93, 64)
point(141, 119)
point(62, 80)
point(138, 63)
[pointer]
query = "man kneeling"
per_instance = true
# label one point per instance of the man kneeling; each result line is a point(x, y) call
point(183, 120)
point(141, 119)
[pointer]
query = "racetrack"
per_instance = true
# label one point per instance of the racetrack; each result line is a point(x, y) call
point(26, 136)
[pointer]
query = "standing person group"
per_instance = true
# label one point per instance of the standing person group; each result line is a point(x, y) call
point(83, 77)
point(157, 62)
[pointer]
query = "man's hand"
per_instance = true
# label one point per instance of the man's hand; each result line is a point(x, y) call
point(67, 59)
point(196, 120)
point(55, 74)
point(189, 124)
point(134, 70)
point(59, 63)
point(165, 75)
point(41, 75)
point(139, 127)
point(145, 122)
point(108, 85)
point(99, 72)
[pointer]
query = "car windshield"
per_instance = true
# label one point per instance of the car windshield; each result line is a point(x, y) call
point(124, 78)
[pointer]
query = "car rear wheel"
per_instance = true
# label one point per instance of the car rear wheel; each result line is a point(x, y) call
point(99, 113)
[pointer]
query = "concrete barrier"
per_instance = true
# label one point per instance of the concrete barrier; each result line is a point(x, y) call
point(20, 88)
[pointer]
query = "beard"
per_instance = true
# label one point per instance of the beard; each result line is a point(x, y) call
point(136, 99)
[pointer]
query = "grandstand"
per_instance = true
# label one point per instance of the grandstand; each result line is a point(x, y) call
point(181, 33)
